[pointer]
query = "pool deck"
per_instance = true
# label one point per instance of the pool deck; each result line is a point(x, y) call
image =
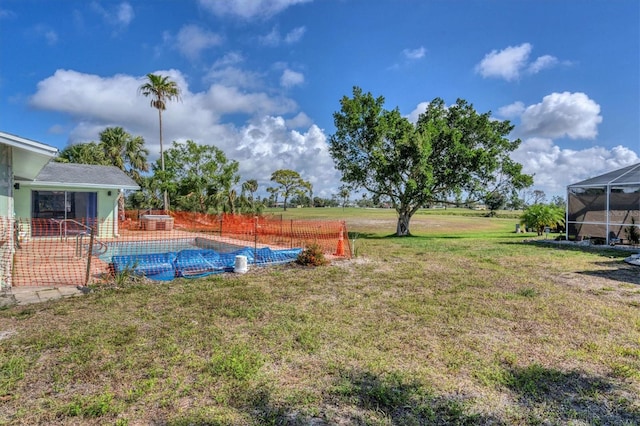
point(53, 262)
point(28, 295)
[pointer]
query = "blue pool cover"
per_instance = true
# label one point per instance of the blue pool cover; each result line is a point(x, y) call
point(195, 263)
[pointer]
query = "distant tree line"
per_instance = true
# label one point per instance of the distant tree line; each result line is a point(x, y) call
point(195, 177)
point(451, 152)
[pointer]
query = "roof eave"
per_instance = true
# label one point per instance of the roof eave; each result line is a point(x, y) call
point(28, 144)
point(80, 185)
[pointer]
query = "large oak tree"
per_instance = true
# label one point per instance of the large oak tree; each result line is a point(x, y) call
point(449, 150)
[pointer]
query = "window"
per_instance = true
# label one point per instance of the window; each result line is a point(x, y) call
point(50, 208)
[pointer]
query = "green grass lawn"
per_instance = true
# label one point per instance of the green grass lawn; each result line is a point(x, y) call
point(461, 323)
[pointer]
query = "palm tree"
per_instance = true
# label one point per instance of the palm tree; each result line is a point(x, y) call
point(274, 195)
point(250, 186)
point(83, 153)
point(344, 194)
point(309, 188)
point(126, 153)
point(162, 90)
point(539, 216)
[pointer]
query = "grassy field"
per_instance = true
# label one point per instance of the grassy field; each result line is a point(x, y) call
point(462, 323)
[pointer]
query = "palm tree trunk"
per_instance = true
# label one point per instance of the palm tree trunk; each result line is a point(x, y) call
point(121, 214)
point(165, 196)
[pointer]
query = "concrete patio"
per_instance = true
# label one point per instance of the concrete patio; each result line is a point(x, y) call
point(27, 295)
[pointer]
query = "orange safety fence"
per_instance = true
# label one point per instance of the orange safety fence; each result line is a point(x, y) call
point(52, 252)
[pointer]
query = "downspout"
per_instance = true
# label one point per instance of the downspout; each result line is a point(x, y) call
point(566, 218)
point(116, 219)
point(608, 218)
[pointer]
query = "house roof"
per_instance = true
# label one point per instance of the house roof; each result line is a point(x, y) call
point(629, 175)
point(27, 144)
point(83, 175)
point(28, 156)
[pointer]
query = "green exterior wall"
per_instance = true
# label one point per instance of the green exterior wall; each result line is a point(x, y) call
point(6, 228)
point(107, 207)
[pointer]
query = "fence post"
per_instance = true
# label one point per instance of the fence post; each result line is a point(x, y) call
point(255, 239)
point(89, 256)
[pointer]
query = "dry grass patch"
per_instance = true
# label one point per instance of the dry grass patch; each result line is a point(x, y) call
point(461, 327)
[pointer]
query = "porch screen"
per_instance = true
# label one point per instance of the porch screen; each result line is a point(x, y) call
point(53, 212)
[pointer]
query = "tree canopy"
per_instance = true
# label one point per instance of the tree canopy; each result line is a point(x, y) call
point(83, 153)
point(449, 150)
point(289, 183)
point(116, 148)
point(202, 178)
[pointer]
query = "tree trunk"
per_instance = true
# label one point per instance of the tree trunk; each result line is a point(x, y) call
point(121, 215)
point(403, 224)
point(165, 197)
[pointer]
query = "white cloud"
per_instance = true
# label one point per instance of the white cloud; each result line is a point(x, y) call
point(506, 63)
point(419, 109)
point(230, 100)
point(510, 63)
point(413, 54)
point(80, 95)
point(291, 78)
point(573, 115)
point(4, 13)
point(49, 35)
point(509, 111)
point(267, 144)
point(273, 38)
point(120, 16)
point(262, 140)
point(227, 71)
point(248, 9)
point(57, 129)
point(543, 62)
point(555, 168)
point(299, 121)
point(295, 35)
point(230, 58)
point(192, 39)
point(234, 76)
point(125, 14)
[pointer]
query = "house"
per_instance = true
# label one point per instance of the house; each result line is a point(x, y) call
point(66, 197)
point(605, 206)
point(22, 158)
point(42, 198)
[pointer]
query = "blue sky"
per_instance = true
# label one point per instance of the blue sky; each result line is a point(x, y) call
point(261, 79)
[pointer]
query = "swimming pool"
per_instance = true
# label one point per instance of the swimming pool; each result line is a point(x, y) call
point(188, 258)
point(128, 248)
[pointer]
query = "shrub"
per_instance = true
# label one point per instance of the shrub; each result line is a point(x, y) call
point(632, 232)
point(312, 256)
point(539, 216)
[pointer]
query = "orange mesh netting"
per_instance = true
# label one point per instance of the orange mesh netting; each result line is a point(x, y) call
point(43, 252)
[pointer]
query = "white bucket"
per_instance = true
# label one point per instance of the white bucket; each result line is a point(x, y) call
point(241, 265)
